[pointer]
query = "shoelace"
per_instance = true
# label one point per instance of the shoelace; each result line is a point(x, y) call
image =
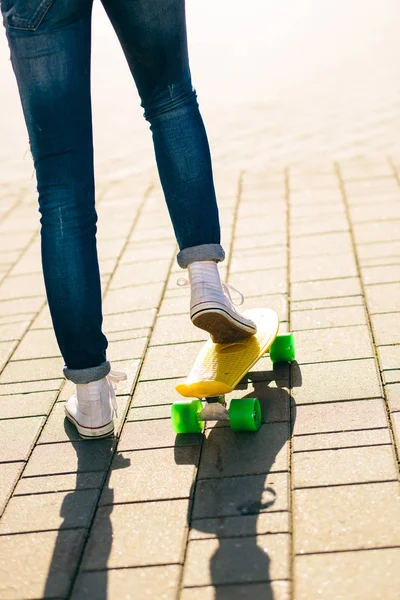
point(183, 282)
point(113, 378)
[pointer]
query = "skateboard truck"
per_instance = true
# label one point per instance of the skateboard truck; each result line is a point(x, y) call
point(214, 410)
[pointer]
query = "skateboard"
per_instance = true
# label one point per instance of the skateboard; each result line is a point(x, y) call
point(220, 367)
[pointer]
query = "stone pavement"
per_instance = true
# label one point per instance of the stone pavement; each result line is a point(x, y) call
point(304, 509)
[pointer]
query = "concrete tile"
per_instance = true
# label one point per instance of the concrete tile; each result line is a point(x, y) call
point(28, 387)
point(18, 437)
point(380, 211)
point(392, 391)
point(171, 361)
point(127, 535)
point(329, 288)
point(337, 343)
point(37, 344)
point(272, 259)
point(350, 518)
point(52, 459)
point(129, 584)
point(136, 274)
point(175, 305)
point(9, 474)
point(13, 331)
point(32, 370)
point(395, 418)
point(42, 512)
point(151, 475)
point(129, 334)
point(376, 231)
point(391, 376)
point(133, 298)
point(240, 526)
point(339, 416)
point(342, 466)
point(319, 304)
point(226, 453)
point(240, 496)
point(156, 392)
point(253, 225)
point(26, 405)
point(315, 268)
point(127, 349)
point(153, 234)
point(15, 241)
point(351, 380)
point(308, 211)
point(237, 560)
point(348, 575)
point(319, 224)
point(176, 329)
point(6, 350)
point(59, 483)
point(22, 286)
point(273, 396)
point(147, 252)
point(16, 318)
point(278, 590)
point(109, 248)
point(389, 356)
point(378, 250)
point(328, 317)
point(21, 305)
point(384, 297)
point(386, 328)
point(362, 168)
point(141, 435)
point(37, 565)
point(257, 283)
point(341, 439)
point(129, 320)
point(381, 274)
point(149, 413)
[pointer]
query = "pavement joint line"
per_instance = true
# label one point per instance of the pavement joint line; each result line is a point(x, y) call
point(348, 484)
point(323, 279)
point(236, 516)
point(18, 417)
point(370, 325)
point(241, 475)
point(298, 435)
point(340, 448)
point(317, 233)
point(348, 550)
point(330, 327)
point(235, 583)
point(326, 298)
point(150, 566)
point(341, 360)
point(146, 501)
point(394, 169)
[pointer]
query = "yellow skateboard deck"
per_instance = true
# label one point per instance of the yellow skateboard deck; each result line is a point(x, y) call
point(220, 367)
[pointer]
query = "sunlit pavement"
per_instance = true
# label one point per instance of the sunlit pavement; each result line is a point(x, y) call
point(302, 112)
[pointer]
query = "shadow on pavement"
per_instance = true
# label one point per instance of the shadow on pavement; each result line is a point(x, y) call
point(235, 487)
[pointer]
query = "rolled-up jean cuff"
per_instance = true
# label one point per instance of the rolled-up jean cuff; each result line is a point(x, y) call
point(203, 252)
point(89, 374)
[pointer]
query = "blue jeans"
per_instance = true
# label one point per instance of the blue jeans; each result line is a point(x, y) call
point(50, 43)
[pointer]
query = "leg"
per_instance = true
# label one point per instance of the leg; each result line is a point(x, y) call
point(153, 36)
point(50, 53)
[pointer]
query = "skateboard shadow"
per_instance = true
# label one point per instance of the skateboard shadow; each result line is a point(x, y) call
point(82, 501)
point(240, 495)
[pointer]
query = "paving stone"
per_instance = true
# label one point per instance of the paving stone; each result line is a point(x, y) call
point(345, 465)
point(256, 283)
point(323, 303)
point(18, 437)
point(15, 240)
point(238, 526)
point(342, 575)
point(18, 306)
point(27, 387)
point(336, 343)
point(278, 590)
point(149, 413)
point(6, 350)
point(380, 211)
point(350, 518)
point(37, 565)
point(147, 252)
point(381, 262)
point(13, 331)
point(329, 288)
point(391, 376)
point(389, 356)
point(22, 286)
point(253, 225)
point(129, 320)
point(378, 250)
point(42, 512)
point(317, 196)
point(363, 168)
point(226, 453)
point(393, 395)
point(329, 382)
point(339, 416)
point(171, 361)
point(384, 297)
point(9, 474)
point(237, 560)
point(386, 328)
point(328, 317)
point(395, 418)
point(341, 439)
point(151, 475)
point(26, 405)
point(32, 370)
point(315, 268)
point(259, 241)
point(176, 329)
point(129, 349)
point(381, 274)
point(323, 224)
point(371, 186)
point(272, 259)
point(136, 274)
point(37, 344)
point(129, 334)
point(70, 457)
point(126, 535)
point(110, 248)
point(133, 298)
point(175, 305)
point(129, 584)
point(15, 319)
point(59, 483)
point(141, 435)
point(376, 231)
point(273, 396)
point(240, 496)
point(308, 211)
point(156, 392)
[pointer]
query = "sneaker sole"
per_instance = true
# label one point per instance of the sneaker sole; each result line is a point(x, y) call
point(90, 433)
point(223, 328)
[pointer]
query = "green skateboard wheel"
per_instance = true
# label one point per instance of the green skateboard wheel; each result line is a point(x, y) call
point(245, 414)
point(185, 417)
point(282, 349)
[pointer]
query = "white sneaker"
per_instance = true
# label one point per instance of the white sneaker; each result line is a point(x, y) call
point(92, 406)
point(211, 306)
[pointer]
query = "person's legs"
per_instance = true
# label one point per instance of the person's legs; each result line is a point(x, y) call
point(153, 37)
point(50, 52)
